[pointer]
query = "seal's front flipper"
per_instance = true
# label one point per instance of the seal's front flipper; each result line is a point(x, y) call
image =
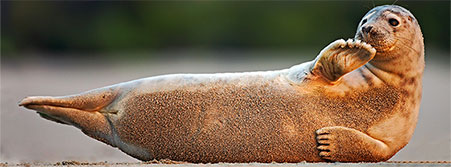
point(341, 57)
point(343, 144)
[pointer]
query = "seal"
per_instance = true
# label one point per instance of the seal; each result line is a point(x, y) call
point(357, 101)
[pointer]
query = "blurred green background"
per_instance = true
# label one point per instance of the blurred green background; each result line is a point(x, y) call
point(127, 29)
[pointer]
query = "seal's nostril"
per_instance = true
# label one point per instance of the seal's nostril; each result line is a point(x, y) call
point(366, 29)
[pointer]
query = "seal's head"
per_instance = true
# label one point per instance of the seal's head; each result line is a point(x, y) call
point(394, 32)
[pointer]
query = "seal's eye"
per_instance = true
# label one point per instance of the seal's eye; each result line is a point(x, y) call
point(393, 22)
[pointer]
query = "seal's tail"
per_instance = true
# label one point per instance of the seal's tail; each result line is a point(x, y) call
point(83, 110)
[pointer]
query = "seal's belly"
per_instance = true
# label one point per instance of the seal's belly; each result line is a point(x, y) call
point(260, 123)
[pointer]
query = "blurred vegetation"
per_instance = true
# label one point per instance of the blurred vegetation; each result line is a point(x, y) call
point(95, 27)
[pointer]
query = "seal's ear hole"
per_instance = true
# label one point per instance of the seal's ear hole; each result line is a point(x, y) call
point(363, 21)
point(393, 22)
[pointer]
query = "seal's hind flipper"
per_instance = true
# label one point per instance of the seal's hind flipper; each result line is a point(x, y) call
point(85, 111)
point(341, 57)
point(47, 117)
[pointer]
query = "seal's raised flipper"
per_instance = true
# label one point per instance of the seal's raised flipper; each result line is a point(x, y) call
point(84, 110)
point(343, 144)
point(341, 57)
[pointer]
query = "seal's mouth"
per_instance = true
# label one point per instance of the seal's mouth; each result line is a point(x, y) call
point(359, 36)
point(368, 37)
point(378, 40)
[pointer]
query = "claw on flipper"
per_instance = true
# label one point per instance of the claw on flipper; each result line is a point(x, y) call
point(341, 57)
